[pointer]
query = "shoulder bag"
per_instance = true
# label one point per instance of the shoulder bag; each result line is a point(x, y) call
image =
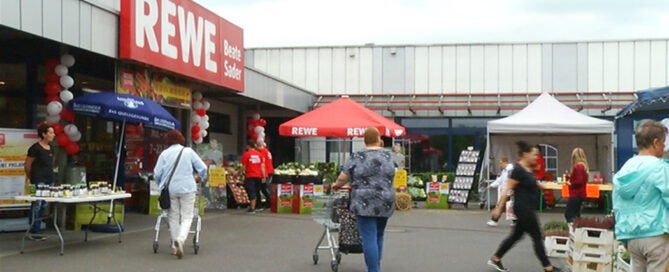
point(164, 198)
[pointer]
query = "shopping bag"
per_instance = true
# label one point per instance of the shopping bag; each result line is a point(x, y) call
point(509, 211)
point(349, 236)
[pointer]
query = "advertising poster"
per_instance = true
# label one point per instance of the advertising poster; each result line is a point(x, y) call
point(155, 86)
point(437, 195)
point(400, 178)
point(284, 199)
point(14, 144)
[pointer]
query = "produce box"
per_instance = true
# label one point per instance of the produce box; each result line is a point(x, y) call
point(437, 195)
point(84, 212)
point(281, 198)
point(303, 200)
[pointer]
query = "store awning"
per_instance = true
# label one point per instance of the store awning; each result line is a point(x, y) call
point(647, 101)
point(343, 118)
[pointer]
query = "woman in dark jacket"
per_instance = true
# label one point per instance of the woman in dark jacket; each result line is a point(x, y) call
point(373, 196)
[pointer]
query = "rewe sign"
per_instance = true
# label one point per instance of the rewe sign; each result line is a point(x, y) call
point(185, 38)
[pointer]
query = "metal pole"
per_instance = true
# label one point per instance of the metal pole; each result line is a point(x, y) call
point(116, 169)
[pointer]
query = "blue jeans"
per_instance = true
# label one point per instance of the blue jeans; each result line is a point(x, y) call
point(38, 209)
point(371, 231)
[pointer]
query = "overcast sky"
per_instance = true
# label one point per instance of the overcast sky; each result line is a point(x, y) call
point(276, 23)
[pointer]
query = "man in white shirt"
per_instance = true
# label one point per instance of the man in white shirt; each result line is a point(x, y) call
point(500, 182)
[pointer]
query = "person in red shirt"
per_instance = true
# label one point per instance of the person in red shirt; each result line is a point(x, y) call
point(269, 171)
point(253, 166)
point(578, 179)
point(539, 169)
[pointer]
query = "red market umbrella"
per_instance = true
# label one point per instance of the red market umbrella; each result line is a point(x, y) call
point(342, 118)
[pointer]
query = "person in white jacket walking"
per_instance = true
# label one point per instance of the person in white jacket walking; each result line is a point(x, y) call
point(500, 183)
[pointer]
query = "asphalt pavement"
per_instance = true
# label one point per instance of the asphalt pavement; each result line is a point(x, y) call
point(416, 240)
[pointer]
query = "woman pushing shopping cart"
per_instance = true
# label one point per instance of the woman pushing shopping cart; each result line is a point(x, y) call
point(371, 202)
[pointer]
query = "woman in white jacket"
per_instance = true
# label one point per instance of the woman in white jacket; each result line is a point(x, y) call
point(500, 183)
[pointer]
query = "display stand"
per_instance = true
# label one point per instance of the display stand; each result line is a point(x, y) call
point(464, 178)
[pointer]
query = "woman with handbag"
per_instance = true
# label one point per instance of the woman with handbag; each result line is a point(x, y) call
point(174, 174)
point(372, 172)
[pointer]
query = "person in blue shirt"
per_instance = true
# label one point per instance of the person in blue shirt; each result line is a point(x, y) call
point(641, 201)
point(182, 186)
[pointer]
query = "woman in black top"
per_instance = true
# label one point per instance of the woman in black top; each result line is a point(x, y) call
point(39, 170)
point(526, 195)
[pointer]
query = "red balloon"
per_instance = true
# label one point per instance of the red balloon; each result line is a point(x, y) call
point(262, 122)
point(195, 129)
point(201, 112)
point(67, 115)
point(52, 88)
point(62, 139)
point(57, 128)
point(195, 136)
point(51, 63)
point(52, 98)
point(52, 77)
point(72, 148)
point(250, 121)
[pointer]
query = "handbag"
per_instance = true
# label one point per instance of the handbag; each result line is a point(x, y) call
point(509, 210)
point(164, 199)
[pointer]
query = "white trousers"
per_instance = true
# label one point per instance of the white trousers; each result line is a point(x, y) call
point(180, 216)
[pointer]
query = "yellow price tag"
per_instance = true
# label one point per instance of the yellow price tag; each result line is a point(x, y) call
point(400, 178)
point(217, 177)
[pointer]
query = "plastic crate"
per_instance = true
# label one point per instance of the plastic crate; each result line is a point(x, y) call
point(592, 236)
point(582, 266)
point(591, 257)
point(621, 265)
point(557, 246)
point(591, 248)
point(84, 213)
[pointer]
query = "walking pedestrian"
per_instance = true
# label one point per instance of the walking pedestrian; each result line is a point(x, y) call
point(253, 167)
point(641, 201)
point(526, 193)
point(269, 172)
point(578, 179)
point(39, 170)
point(372, 171)
point(500, 184)
point(175, 166)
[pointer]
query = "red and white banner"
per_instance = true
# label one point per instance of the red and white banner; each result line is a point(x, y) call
point(183, 37)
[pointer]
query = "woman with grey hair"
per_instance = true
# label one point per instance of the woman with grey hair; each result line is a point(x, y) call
point(641, 201)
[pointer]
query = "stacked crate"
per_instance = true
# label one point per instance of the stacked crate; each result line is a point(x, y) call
point(591, 250)
point(557, 246)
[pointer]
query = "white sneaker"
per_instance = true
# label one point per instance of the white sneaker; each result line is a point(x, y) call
point(512, 223)
point(491, 223)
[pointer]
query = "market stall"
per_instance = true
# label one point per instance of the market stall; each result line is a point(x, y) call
point(547, 121)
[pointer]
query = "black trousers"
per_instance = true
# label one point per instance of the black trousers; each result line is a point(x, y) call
point(573, 208)
point(527, 223)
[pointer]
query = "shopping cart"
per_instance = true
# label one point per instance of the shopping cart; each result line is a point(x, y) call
point(195, 231)
point(324, 212)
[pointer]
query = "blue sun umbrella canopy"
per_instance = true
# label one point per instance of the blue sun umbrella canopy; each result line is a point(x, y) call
point(648, 101)
point(124, 107)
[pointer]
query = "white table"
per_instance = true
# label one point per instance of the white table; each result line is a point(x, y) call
point(70, 200)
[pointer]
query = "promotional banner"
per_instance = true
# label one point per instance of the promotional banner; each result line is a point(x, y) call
point(284, 198)
point(437, 195)
point(14, 145)
point(400, 178)
point(216, 176)
point(183, 37)
point(155, 86)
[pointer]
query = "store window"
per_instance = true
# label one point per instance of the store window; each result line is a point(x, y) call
point(550, 154)
point(219, 123)
point(13, 78)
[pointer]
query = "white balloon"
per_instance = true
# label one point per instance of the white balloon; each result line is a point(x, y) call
point(66, 96)
point(206, 105)
point(261, 134)
point(67, 60)
point(70, 129)
point(198, 141)
point(195, 119)
point(260, 140)
point(60, 70)
point(204, 124)
point(54, 108)
point(256, 116)
point(203, 133)
point(66, 81)
point(197, 105)
point(75, 137)
point(205, 117)
point(258, 129)
point(197, 95)
point(51, 119)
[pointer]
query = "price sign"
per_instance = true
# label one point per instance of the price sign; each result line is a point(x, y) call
point(216, 176)
point(400, 178)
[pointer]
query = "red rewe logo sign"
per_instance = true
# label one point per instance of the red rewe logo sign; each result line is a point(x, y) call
point(183, 37)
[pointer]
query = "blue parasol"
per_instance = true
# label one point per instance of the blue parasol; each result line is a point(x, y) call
point(648, 101)
point(123, 108)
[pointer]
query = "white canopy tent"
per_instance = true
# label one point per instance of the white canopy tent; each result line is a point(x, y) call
point(547, 121)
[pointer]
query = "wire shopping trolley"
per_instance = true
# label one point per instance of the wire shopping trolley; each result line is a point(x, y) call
point(195, 231)
point(324, 212)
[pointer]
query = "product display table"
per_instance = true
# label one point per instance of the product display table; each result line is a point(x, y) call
point(606, 190)
point(94, 200)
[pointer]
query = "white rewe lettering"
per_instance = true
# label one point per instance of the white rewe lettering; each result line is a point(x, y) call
point(191, 36)
point(144, 22)
point(167, 9)
point(355, 131)
point(301, 131)
point(209, 46)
